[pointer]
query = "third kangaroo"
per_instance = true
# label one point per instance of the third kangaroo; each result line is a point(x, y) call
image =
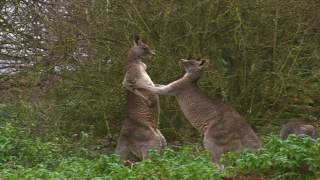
point(298, 128)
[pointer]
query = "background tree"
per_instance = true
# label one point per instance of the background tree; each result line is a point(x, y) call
point(264, 60)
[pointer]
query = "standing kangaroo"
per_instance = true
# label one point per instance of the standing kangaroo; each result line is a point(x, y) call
point(223, 127)
point(298, 128)
point(140, 132)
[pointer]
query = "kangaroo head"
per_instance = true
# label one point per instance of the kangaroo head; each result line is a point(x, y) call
point(194, 66)
point(141, 50)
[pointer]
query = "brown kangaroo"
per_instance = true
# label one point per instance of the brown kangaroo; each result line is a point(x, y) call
point(298, 128)
point(140, 132)
point(223, 127)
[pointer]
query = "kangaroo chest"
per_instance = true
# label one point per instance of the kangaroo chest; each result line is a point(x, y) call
point(144, 77)
point(138, 109)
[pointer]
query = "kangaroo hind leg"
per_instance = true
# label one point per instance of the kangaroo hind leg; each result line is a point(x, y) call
point(156, 142)
point(214, 149)
point(122, 148)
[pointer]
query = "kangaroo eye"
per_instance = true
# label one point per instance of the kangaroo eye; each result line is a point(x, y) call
point(145, 49)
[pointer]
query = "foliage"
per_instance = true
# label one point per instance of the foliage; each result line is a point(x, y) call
point(26, 158)
point(27, 152)
point(68, 95)
point(264, 59)
point(186, 164)
point(294, 158)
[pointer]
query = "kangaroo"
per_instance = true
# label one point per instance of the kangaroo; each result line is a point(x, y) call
point(140, 132)
point(223, 127)
point(298, 128)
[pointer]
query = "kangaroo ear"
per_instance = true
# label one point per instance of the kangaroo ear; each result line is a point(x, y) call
point(137, 40)
point(204, 63)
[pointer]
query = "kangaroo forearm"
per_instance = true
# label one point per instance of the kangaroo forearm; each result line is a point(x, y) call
point(160, 89)
point(157, 89)
point(140, 94)
point(159, 85)
point(129, 86)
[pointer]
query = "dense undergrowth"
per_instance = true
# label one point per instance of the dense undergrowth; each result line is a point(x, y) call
point(28, 158)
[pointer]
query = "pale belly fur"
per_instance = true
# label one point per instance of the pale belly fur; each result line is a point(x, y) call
point(145, 79)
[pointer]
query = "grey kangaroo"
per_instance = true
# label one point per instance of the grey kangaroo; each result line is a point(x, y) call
point(298, 128)
point(223, 127)
point(140, 132)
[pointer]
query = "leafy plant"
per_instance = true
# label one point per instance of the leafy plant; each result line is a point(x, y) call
point(16, 150)
point(295, 158)
point(21, 157)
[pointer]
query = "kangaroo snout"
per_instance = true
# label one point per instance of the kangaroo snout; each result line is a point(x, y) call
point(153, 53)
point(181, 61)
